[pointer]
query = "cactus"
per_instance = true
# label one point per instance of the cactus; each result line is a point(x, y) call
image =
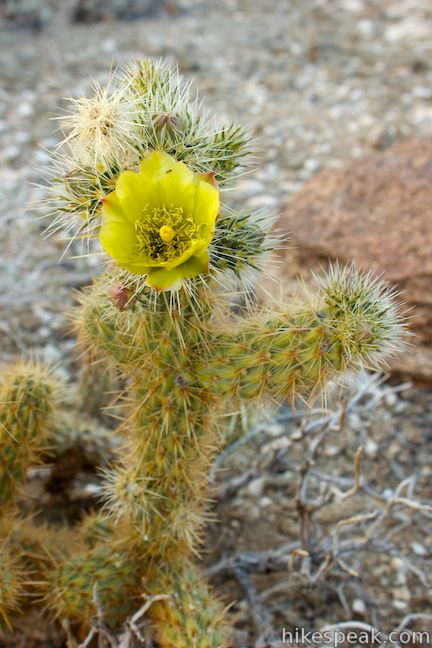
point(100, 577)
point(143, 170)
point(26, 405)
point(11, 586)
point(190, 615)
point(27, 398)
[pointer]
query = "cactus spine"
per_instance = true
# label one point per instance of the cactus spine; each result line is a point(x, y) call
point(142, 168)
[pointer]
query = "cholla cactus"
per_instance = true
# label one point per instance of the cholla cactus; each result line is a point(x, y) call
point(27, 398)
point(26, 405)
point(143, 170)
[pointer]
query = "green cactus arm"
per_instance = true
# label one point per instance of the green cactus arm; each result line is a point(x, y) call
point(27, 400)
point(189, 614)
point(183, 610)
point(27, 553)
point(159, 486)
point(101, 576)
point(11, 586)
point(353, 321)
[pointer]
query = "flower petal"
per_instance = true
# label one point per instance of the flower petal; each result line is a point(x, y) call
point(157, 164)
point(177, 188)
point(164, 279)
point(117, 237)
point(112, 209)
point(206, 208)
point(196, 265)
point(194, 246)
point(136, 194)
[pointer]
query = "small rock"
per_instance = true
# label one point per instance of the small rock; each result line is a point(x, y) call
point(256, 487)
point(265, 502)
point(312, 165)
point(23, 137)
point(371, 448)
point(400, 605)
point(109, 46)
point(275, 429)
point(390, 399)
point(419, 549)
point(11, 153)
point(44, 332)
point(359, 607)
point(24, 110)
point(366, 28)
point(331, 450)
point(402, 594)
point(51, 353)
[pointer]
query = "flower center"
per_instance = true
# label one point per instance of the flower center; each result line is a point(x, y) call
point(164, 234)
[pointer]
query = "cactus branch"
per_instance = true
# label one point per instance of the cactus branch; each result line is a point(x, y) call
point(291, 353)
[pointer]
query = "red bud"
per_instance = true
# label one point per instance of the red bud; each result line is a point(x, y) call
point(121, 297)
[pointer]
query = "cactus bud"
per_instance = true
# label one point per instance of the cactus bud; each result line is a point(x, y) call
point(167, 123)
point(120, 296)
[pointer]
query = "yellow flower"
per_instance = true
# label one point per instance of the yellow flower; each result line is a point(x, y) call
point(159, 222)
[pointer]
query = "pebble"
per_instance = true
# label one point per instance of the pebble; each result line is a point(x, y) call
point(265, 502)
point(390, 399)
point(359, 607)
point(331, 450)
point(109, 46)
point(51, 353)
point(44, 332)
point(355, 421)
point(371, 448)
point(419, 549)
point(401, 593)
point(400, 605)
point(23, 137)
point(24, 110)
point(366, 28)
point(388, 493)
point(11, 153)
point(256, 487)
point(275, 429)
point(312, 165)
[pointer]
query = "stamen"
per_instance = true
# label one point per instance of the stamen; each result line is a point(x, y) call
point(164, 234)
